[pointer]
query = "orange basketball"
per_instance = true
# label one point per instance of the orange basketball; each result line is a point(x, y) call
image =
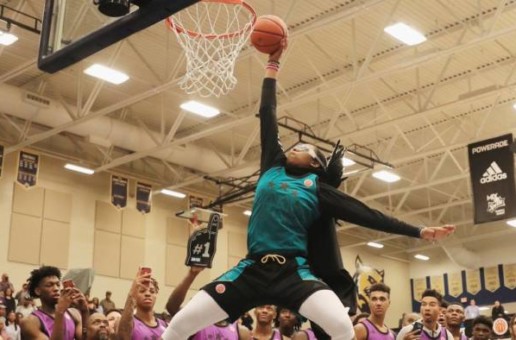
point(268, 31)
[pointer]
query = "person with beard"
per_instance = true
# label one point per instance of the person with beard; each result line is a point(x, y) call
point(55, 319)
point(290, 196)
point(138, 320)
point(98, 327)
point(454, 319)
point(482, 326)
point(373, 327)
point(431, 329)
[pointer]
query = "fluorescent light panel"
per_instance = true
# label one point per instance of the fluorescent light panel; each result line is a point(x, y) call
point(247, 212)
point(347, 162)
point(106, 73)
point(173, 193)
point(80, 169)
point(422, 257)
point(512, 223)
point(7, 39)
point(200, 109)
point(514, 106)
point(386, 176)
point(405, 34)
point(375, 245)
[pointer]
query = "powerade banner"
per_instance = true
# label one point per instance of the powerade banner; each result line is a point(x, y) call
point(143, 197)
point(119, 191)
point(28, 167)
point(491, 164)
point(1, 159)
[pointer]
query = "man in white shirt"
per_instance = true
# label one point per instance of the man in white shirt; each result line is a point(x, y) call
point(470, 313)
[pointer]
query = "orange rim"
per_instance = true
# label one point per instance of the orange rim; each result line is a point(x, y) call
point(180, 29)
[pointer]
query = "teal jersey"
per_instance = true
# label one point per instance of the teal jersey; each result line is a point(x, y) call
point(284, 208)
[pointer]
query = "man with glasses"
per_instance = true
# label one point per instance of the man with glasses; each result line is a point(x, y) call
point(291, 196)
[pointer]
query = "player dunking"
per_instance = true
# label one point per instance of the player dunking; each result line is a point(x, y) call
point(290, 197)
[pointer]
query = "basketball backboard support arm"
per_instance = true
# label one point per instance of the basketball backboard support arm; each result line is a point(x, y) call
point(145, 16)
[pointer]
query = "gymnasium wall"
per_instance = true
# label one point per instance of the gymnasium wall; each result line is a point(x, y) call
point(67, 221)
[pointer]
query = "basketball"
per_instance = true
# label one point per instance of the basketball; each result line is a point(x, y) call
point(268, 31)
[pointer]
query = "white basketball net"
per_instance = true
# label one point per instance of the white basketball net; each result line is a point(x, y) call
point(212, 34)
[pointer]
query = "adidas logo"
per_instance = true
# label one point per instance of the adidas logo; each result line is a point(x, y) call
point(493, 174)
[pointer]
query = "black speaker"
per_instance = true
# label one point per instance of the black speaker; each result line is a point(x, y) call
point(513, 146)
point(114, 8)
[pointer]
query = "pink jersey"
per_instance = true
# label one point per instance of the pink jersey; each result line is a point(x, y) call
point(276, 335)
point(228, 332)
point(143, 332)
point(309, 334)
point(373, 333)
point(47, 324)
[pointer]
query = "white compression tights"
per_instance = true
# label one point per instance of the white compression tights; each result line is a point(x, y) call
point(200, 312)
point(325, 309)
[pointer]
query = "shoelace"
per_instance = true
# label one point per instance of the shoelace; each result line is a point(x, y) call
point(274, 257)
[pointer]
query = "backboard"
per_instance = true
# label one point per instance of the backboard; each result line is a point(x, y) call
point(75, 29)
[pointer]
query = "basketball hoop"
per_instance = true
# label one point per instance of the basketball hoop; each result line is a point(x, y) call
point(212, 34)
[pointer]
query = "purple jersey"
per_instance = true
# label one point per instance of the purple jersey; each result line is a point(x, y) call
point(143, 332)
point(442, 335)
point(309, 334)
point(373, 333)
point(276, 335)
point(214, 332)
point(47, 324)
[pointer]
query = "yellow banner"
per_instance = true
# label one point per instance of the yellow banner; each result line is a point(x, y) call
point(473, 281)
point(437, 283)
point(491, 278)
point(509, 275)
point(418, 288)
point(455, 284)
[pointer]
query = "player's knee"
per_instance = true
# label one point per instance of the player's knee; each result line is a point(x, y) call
point(340, 327)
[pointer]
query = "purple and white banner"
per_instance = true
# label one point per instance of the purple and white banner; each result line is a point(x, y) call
point(491, 164)
point(28, 169)
point(119, 187)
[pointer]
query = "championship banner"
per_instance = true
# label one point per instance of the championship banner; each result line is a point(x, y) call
point(437, 283)
point(455, 288)
point(143, 197)
point(28, 168)
point(119, 187)
point(491, 278)
point(491, 165)
point(1, 159)
point(202, 244)
point(473, 281)
point(418, 288)
point(509, 275)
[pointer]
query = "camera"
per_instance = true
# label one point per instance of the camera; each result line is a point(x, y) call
point(418, 327)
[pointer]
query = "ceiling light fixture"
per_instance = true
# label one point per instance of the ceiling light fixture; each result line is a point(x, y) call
point(347, 161)
point(247, 213)
point(173, 193)
point(512, 223)
point(107, 74)
point(386, 176)
point(375, 245)
point(80, 169)
point(421, 257)
point(405, 34)
point(7, 38)
point(200, 109)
